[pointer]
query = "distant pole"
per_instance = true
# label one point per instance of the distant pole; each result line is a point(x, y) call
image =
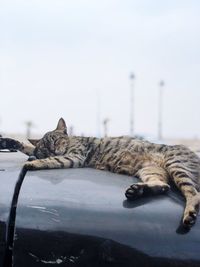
point(98, 115)
point(105, 124)
point(132, 78)
point(29, 125)
point(160, 110)
point(71, 130)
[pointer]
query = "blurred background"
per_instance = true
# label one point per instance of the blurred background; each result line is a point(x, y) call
point(108, 67)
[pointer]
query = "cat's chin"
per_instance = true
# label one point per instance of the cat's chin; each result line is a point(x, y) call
point(31, 158)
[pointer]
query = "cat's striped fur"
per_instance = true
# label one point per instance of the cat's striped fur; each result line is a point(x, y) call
point(156, 165)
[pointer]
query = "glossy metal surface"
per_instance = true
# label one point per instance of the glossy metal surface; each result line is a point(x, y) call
point(10, 165)
point(80, 217)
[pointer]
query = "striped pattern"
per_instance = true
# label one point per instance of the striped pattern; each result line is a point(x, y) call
point(156, 165)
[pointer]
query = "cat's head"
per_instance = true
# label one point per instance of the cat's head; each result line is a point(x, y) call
point(53, 143)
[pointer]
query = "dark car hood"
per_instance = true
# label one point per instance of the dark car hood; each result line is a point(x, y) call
point(80, 217)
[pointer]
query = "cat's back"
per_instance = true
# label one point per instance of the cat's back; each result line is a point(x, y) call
point(181, 153)
point(137, 145)
point(115, 144)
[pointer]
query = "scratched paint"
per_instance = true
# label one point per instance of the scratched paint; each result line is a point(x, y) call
point(56, 261)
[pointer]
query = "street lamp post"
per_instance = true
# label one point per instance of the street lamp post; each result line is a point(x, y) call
point(160, 110)
point(132, 77)
point(98, 114)
point(29, 125)
point(105, 124)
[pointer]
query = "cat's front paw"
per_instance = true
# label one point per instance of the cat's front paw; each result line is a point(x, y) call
point(35, 164)
point(29, 166)
point(135, 191)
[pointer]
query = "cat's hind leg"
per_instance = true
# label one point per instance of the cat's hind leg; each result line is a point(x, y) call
point(154, 181)
point(185, 181)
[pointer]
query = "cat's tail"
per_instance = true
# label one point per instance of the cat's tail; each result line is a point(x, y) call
point(12, 144)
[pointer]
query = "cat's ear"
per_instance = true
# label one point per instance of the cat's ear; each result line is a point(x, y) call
point(34, 141)
point(62, 126)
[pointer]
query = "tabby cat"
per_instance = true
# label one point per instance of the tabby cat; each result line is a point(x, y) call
point(155, 164)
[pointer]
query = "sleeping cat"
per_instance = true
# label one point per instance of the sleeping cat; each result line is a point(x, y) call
point(155, 165)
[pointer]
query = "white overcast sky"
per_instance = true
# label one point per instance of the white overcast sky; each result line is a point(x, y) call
point(56, 56)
